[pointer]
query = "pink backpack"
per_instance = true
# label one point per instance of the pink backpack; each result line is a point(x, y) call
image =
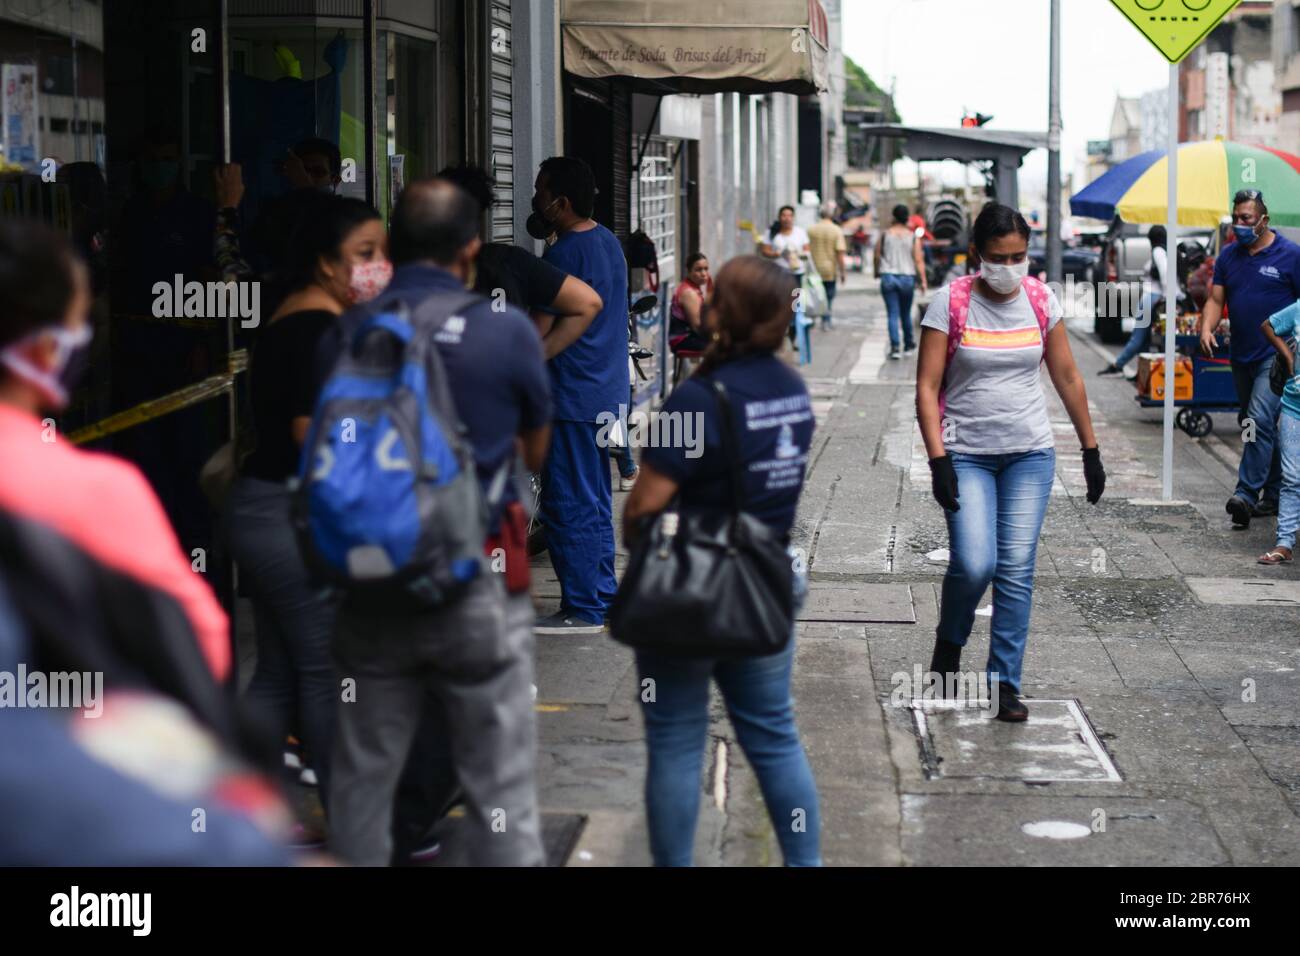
point(959, 292)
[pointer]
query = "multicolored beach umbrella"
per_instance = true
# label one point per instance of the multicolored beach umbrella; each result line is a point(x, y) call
point(1209, 175)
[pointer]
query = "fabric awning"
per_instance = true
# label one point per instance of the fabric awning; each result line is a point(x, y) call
point(698, 46)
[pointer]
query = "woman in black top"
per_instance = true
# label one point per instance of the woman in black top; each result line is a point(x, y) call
point(337, 257)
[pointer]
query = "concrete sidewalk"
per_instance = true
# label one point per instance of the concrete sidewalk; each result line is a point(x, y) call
point(1163, 667)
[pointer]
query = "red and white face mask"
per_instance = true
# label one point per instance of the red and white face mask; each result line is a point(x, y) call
point(369, 279)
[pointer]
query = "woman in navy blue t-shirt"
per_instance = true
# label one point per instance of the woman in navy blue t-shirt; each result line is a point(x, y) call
point(751, 309)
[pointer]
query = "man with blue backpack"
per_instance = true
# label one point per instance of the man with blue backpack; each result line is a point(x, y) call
point(404, 493)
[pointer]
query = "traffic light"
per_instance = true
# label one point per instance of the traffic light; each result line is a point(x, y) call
point(979, 119)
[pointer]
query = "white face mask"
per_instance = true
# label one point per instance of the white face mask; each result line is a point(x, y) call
point(54, 385)
point(1004, 279)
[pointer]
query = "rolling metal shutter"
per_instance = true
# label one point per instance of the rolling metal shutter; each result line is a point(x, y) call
point(620, 101)
point(501, 140)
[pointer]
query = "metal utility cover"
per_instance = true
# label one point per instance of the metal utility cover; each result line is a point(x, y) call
point(1254, 591)
point(859, 604)
point(1055, 745)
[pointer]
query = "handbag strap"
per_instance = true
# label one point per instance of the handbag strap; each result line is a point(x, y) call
point(729, 446)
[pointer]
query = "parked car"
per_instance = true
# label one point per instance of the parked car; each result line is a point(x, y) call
point(1078, 261)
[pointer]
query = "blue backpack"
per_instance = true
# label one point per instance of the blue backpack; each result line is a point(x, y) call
point(388, 507)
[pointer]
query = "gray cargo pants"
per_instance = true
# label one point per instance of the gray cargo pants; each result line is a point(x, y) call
point(481, 670)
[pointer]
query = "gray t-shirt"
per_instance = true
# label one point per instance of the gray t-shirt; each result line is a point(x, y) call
point(995, 403)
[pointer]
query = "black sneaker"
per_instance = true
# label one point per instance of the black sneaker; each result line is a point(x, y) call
point(1266, 508)
point(1240, 510)
point(909, 348)
point(895, 354)
point(1111, 369)
point(945, 662)
point(562, 622)
point(1010, 707)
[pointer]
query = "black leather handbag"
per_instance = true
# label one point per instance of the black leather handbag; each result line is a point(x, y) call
point(711, 584)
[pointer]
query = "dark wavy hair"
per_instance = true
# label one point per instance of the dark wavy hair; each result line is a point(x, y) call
point(474, 179)
point(323, 224)
point(995, 221)
point(753, 305)
point(37, 275)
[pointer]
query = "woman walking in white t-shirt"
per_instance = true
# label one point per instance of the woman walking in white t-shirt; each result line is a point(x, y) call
point(984, 420)
point(788, 244)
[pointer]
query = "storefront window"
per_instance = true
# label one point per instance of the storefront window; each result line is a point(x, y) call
point(290, 83)
point(411, 113)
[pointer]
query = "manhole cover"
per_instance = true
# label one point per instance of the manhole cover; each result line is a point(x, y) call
point(1056, 830)
point(1056, 745)
point(1245, 591)
point(859, 604)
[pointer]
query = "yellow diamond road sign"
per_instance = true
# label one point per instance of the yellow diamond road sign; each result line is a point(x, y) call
point(1175, 26)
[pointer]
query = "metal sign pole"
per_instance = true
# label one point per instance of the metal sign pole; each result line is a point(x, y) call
point(1171, 286)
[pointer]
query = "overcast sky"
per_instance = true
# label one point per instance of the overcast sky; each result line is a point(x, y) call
point(991, 56)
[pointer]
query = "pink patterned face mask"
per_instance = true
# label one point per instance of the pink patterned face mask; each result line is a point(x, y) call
point(369, 279)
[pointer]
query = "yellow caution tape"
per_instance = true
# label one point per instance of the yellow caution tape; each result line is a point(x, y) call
point(211, 387)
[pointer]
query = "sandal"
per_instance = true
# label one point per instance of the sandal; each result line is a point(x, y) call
point(1276, 556)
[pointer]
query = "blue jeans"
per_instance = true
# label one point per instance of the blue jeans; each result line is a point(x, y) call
point(1141, 330)
point(994, 537)
point(1288, 507)
point(757, 694)
point(897, 290)
point(1261, 465)
point(577, 506)
point(294, 685)
point(623, 458)
point(829, 286)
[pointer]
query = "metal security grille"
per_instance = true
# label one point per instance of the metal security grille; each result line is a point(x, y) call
point(657, 202)
point(501, 148)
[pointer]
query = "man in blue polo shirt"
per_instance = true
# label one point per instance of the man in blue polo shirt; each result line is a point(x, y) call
point(587, 378)
point(468, 654)
point(1257, 276)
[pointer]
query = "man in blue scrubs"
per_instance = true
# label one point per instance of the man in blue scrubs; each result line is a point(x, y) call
point(587, 378)
point(1257, 276)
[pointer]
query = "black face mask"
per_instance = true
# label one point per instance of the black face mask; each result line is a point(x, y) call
point(538, 226)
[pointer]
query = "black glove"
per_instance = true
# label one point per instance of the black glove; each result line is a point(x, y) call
point(943, 480)
point(1094, 474)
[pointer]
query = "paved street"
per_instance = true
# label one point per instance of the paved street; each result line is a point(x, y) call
point(1182, 654)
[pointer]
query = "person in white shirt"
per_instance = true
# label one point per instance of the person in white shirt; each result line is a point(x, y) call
point(1153, 290)
point(788, 244)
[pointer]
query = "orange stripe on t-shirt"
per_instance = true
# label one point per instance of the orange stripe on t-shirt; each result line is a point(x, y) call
point(1023, 338)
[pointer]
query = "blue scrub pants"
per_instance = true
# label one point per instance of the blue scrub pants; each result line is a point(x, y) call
point(578, 509)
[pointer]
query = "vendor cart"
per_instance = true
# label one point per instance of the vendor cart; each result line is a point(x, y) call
point(1212, 386)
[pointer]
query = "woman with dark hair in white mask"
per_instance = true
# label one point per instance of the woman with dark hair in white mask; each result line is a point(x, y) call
point(984, 420)
point(337, 256)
